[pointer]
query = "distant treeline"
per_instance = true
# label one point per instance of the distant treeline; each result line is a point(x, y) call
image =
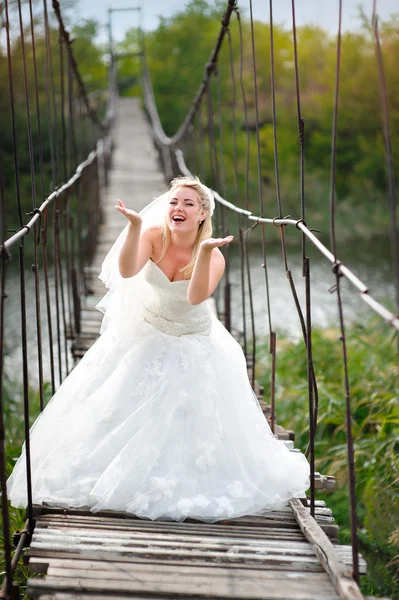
point(181, 45)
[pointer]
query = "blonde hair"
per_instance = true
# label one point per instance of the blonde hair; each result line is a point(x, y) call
point(204, 228)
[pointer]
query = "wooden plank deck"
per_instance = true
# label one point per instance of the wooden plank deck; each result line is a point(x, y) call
point(78, 555)
point(250, 557)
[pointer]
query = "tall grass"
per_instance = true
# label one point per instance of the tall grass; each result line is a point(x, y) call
point(14, 437)
point(375, 423)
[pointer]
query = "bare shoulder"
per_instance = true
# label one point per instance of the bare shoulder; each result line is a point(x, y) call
point(218, 260)
point(153, 234)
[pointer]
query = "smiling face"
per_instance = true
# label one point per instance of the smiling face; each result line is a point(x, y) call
point(184, 213)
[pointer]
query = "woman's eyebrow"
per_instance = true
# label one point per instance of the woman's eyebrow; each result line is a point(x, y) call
point(185, 199)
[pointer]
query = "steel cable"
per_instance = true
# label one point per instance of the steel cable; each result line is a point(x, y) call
point(348, 413)
point(390, 175)
point(272, 335)
point(7, 550)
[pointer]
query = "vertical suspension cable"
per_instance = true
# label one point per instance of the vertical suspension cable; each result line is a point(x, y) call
point(56, 249)
point(195, 148)
point(233, 116)
point(3, 474)
point(221, 139)
point(390, 176)
point(244, 100)
point(55, 170)
point(25, 375)
point(212, 139)
point(348, 414)
point(22, 276)
point(62, 109)
point(67, 259)
point(52, 113)
point(273, 90)
point(309, 356)
point(12, 107)
point(272, 335)
point(73, 152)
point(74, 281)
point(61, 224)
point(306, 330)
point(246, 202)
point(36, 230)
point(301, 127)
point(202, 145)
point(216, 175)
point(48, 99)
point(47, 292)
point(251, 307)
point(243, 299)
point(80, 195)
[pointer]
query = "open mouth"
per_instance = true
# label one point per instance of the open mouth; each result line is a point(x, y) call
point(178, 219)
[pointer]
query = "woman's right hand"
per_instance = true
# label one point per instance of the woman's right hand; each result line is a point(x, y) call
point(131, 215)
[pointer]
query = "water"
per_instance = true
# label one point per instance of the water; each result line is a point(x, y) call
point(370, 261)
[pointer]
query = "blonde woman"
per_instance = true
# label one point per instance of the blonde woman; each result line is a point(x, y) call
point(159, 418)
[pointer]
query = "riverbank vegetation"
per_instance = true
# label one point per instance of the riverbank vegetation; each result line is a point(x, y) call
point(14, 438)
point(375, 423)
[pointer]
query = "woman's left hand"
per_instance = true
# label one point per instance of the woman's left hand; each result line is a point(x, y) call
point(212, 243)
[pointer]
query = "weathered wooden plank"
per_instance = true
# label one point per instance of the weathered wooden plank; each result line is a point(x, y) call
point(272, 561)
point(57, 538)
point(194, 581)
point(174, 562)
point(328, 556)
point(77, 531)
point(305, 562)
point(173, 538)
point(199, 532)
point(38, 563)
point(329, 529)
point(104, 567)
point(105, 596)
point(265, 534)
point(187, 542)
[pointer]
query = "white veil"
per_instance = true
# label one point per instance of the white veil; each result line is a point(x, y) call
point(152, 214)
point(122, 290)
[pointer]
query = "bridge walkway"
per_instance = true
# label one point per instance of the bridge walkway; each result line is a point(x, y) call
point(114, 555)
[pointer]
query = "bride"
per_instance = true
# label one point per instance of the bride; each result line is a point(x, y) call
point(159, 418)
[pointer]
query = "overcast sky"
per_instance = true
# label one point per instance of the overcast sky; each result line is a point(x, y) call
point(320, 12)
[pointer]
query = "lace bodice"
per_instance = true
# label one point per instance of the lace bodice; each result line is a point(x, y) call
point(164, 304)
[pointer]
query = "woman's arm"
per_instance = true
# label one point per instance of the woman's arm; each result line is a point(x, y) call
point(136, 249)
point(208, 270)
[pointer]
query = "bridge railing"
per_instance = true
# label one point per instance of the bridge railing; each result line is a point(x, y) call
point(70, 148)
point(198, 146)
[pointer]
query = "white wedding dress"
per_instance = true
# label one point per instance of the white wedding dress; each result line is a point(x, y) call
point(159, 419)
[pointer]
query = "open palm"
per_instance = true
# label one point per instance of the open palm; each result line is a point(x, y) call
point(212, 243)
point(133, 217)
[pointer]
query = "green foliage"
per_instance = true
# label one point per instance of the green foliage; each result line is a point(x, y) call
point(177, 52)
point(14, 428)
point(92, 65)
point(375, 425)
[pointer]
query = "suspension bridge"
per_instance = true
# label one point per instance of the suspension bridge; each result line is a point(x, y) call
point(292, 553)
